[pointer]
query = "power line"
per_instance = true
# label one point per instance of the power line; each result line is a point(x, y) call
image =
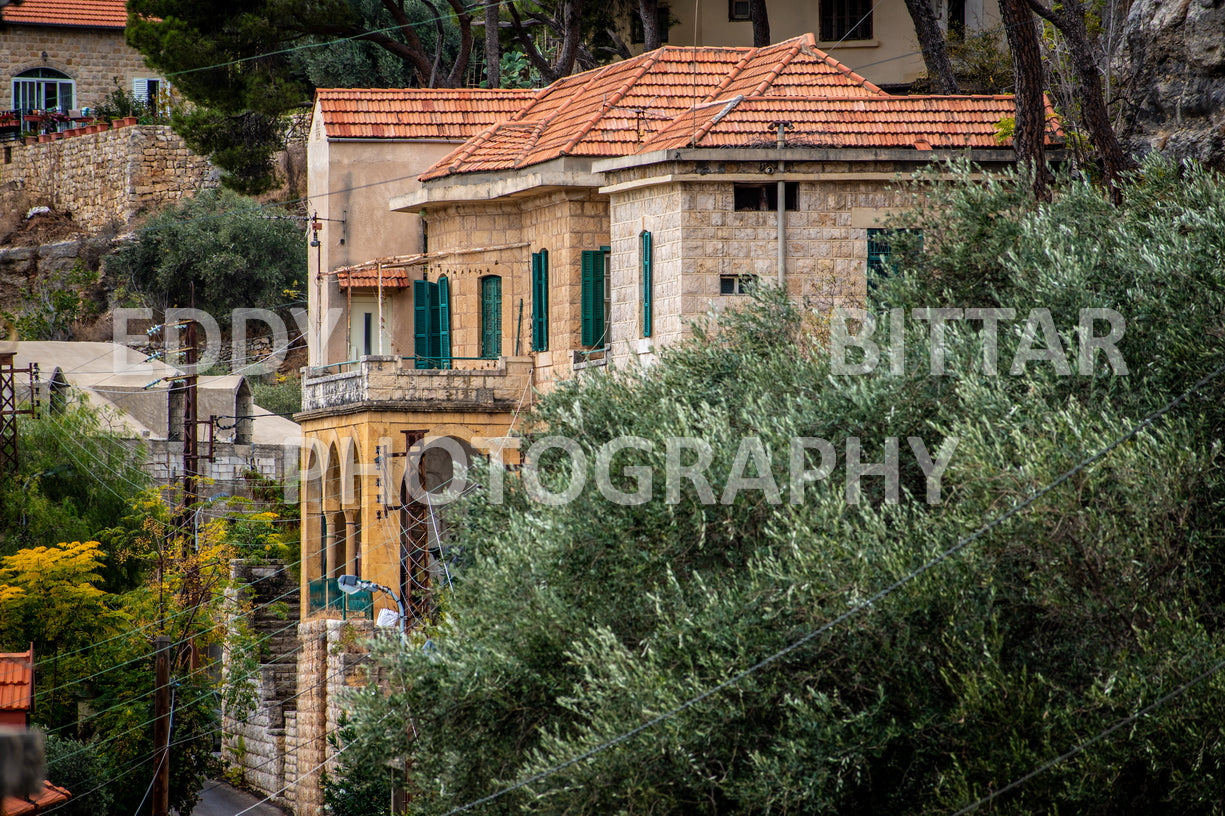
point(1101, 735)
point(880, 595)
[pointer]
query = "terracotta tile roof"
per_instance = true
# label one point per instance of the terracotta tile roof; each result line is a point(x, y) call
point(921, 122)
point(43, 802)
point(367, 276)
point(17, 681)
point(611, 111)
point(84, 13)
point(451, 114)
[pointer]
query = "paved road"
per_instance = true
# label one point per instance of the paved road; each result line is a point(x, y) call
point(219, 799)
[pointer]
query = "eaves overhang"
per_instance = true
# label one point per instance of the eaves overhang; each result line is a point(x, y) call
point(566, 172)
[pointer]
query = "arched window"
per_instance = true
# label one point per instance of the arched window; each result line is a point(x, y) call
point(43, 89)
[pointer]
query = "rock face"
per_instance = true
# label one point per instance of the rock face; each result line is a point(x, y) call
point(1173, 67)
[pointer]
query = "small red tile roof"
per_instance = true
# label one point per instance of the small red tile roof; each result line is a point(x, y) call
point(17, 681)
point(43, 802)
point(368, 276)
point(81, 13)
point(611, 111)
point(447, 114)
point(920, 122)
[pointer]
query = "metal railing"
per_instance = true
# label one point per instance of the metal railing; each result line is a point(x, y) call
point(325, 595)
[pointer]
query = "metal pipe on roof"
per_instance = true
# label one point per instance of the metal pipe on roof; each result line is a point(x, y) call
point(781, 204)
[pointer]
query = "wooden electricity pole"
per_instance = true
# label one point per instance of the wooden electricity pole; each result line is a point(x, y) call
point(161, 729)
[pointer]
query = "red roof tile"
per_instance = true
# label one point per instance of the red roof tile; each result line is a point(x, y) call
point(83, 13)
point(17, 681)
point(368, 276)
point(921, 122)
point(611, 111)
point(451, 114)
point(43, 802)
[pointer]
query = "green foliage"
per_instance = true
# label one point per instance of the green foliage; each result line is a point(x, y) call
point(574, 623)
point(358, 788)
point(246, 64)
point(234, 252)
point(76, 477)
point(256, 537)
point(981, 61)
point(283, 397)
point(48, 598)
point(54, 303)
point(363, 64)
point(83, 769)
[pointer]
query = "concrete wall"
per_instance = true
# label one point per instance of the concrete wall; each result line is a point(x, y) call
point(94, 58)
point(890, 57)
point(109, 177)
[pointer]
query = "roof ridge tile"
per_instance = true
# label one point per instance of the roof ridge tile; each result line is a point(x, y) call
point(649, 60)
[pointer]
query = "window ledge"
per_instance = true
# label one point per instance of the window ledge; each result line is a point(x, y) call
point(827, 46)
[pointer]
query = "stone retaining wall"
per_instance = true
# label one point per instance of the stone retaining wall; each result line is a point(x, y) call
point(260, 741)
point(109, 177)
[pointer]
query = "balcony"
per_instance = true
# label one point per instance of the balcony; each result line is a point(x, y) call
point(469, 384)
point(325, 596)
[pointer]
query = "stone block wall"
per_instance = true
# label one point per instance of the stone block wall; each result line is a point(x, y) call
point(699, 238)
point(20, 267)
point(110, 177)
point(95, 59)
point(473, 385)
point(258, 742)
point(331, 662)
point(566, 223)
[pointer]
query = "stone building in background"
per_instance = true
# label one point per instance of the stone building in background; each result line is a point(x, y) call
point(69, 55)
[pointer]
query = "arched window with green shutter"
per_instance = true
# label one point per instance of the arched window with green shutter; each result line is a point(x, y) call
point(648, 283)
point(491, 316)
point(540, 300)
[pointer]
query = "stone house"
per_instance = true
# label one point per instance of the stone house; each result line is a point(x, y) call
point(69, 55)
point(586, 229)
point(591, 226)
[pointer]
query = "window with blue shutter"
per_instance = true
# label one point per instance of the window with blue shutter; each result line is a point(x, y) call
point(491, 316)
point(648, 283)
point(592, 296)
point(540, 300)
point(432, 324)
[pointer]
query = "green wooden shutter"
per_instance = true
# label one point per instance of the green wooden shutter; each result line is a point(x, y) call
point(491, 316)
point(421, 323)
point(444, 323)
point(540, 300)
point(592, 306)
point(648, 272)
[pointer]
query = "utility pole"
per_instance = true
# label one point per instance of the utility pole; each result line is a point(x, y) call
point(9, 409)
point(161, 729)
point(191, 449)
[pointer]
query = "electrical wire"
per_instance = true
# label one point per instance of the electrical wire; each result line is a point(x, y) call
point(871, 601)
point(1101, 735)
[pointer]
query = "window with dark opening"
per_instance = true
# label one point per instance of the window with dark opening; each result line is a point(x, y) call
point(736, 284)
point(738, 10)
point(764, 197)
point(846, 20)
